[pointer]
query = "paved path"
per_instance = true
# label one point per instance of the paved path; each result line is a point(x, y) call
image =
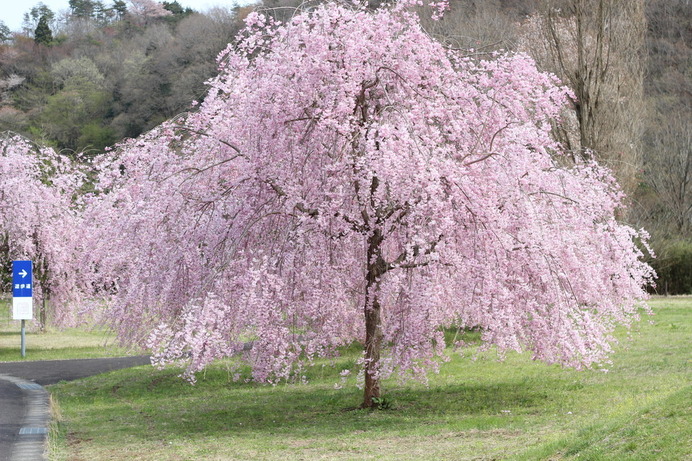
point(11, 414)
point(24, 407)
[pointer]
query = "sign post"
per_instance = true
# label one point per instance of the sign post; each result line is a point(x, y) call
point(23, 347)
point(22, 295)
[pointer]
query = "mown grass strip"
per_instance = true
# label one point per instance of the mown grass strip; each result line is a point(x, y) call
point(53, 344)
point(659, 432)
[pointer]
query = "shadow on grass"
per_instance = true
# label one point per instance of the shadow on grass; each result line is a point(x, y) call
point(147, 403)
point(10, 333)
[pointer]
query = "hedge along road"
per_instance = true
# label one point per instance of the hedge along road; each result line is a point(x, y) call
point(24, 412)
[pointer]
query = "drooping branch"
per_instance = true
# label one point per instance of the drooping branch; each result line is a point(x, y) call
point(312, 212)
point(416, 251)
point(485, 157)
point(202, 133)
point(545, 192)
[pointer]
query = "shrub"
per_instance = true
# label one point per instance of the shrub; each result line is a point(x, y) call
point(674, 267)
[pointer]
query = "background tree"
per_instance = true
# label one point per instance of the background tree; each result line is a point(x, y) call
point(669, 171)
point(597, 48)
point(178, 12)
point(38, 223)
point(82, 8)
point(5, 32)
point(43, 34)
point(143, 12)
point(665, 201)
point(34, 15)
point(120, 8)
point(349, 178)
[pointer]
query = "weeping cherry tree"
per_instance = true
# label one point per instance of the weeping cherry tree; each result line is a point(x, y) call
point(348, 178)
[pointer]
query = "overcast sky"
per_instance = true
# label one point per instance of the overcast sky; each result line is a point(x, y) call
point(12, 11)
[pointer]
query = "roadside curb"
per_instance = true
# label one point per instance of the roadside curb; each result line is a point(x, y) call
point(30, 443)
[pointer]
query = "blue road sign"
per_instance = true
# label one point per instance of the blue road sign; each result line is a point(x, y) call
point(22, 279)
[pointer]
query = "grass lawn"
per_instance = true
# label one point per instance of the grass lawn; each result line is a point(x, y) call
point(472, 410)
point(72, 343)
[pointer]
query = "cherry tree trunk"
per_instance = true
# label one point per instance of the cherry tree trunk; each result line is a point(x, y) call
point(373, 319)
point(42, 314)
point(373, 346)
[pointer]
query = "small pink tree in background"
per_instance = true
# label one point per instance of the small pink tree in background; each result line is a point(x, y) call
point(39, 222)
point(144, 11)
point(348, 178)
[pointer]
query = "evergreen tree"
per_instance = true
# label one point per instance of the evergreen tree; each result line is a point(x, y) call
point(82, 8)
point(43, 34)
point(174, 7)
point(5, 32)
point(120, 7)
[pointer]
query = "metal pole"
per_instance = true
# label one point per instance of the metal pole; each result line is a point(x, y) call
point(23, 339)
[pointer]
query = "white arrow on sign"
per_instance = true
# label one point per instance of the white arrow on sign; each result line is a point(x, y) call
point(23, 273)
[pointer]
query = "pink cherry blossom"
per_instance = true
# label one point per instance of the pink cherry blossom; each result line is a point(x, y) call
point(39, 222)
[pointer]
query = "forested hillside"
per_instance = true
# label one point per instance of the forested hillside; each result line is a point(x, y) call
point(107, 74)
point(110, 70)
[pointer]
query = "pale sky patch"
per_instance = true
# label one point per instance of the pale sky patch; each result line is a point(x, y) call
point(12, 11)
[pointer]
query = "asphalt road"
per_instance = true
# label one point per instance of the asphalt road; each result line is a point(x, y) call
point(17, 396)
point(12, 403)
point(53, 371)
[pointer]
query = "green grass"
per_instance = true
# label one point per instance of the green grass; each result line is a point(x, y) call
point(53, 344)
point(481, 410)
